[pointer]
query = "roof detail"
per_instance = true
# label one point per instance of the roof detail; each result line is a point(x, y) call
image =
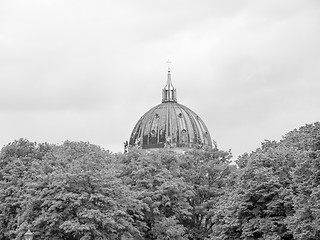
point(169, 93)
point(170, 124)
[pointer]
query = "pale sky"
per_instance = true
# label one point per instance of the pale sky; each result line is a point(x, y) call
point(85, 70)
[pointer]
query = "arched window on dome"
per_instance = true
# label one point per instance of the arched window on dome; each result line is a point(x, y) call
point(184, 136)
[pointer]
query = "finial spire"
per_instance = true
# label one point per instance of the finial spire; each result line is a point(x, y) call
point(169, 92)
point(169, 65)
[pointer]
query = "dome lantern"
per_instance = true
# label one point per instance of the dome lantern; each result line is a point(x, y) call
point(169, 93)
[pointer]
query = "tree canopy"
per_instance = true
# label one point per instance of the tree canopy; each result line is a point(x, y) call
point(79, 191)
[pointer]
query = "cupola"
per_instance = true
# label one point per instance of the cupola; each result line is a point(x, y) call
point(170, 125)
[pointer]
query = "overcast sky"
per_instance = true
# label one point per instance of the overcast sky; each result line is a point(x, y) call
point(88, 70)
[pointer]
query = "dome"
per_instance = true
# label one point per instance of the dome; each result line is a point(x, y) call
point(170, 125)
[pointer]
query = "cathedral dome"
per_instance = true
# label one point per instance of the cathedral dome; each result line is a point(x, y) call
point(170, 125)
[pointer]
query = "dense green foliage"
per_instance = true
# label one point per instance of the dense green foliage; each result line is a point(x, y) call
point(79, 191)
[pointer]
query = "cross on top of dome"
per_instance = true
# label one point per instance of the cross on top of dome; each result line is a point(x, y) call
point(169, 64)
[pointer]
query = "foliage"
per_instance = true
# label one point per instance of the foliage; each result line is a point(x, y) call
point(70, 192)
point(180, 189)
point(276, 194)
point(15, 162)
point(77, 190)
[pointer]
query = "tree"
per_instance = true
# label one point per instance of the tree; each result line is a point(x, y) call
point(179, 192)
point(77, 195)
point(260, 201)
point(71, 191)
point(207, 175)
point(304, 223)
point(153, 177)
point(276, 195)
point(16, 158)
point(79, 191)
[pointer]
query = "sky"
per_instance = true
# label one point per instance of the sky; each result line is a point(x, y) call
point(83, 70)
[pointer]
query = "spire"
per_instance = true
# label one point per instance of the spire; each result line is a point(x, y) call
point(169, 64)
point(169, 92)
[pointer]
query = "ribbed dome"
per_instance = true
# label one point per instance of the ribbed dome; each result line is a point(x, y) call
point(170, 124)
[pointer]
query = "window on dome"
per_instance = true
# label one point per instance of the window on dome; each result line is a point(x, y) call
point(180, 115)
point(184, 136)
